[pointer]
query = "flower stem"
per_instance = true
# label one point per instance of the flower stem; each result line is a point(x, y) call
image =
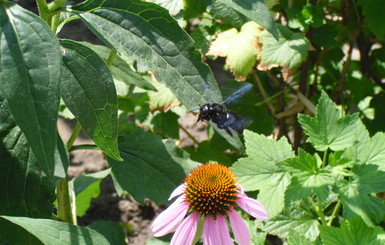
point(43, 10)
point(111, 57)
point(199, 231)
point(52, 6)
point(64, 202)
point(55, 22)
point(74, 135)
point(318, 209)
point(334, 214)
point(84, 147)
point(324, 158)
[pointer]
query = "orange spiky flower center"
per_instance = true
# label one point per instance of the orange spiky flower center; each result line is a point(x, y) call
point(211, 189)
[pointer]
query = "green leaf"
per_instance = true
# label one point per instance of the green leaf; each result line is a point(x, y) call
point(296, 238)
point(352, 232)
point(87, 187)
point(6, 118)
point(151, 168)
point(48, 231)
point(173, 6)
point(369, 151)
point(257, 237)
point(328, 129)
point(259, 171)
point(147, 33)
point(166, 124)
point(288, 52)
point(300, 221)
point(162, 99)
point(89, 92)
point(121, 67)
point(30, 75)
point(353, 193)
point(111, 230)
point(307, 179)
point(88, 5)
point(24, 188)
point(256, 11)
point(374, 14)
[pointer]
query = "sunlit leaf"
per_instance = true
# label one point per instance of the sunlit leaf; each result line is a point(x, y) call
point(89, 92)
point(46, 231)
point(30, 75)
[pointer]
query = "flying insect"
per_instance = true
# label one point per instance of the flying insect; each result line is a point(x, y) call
point(221, 116)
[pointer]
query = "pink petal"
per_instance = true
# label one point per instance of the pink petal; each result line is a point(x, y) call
point(178, 191)
point(170, 218)
point(186, 231)
point(215, 232)
point(252, 206)
point(241, 233)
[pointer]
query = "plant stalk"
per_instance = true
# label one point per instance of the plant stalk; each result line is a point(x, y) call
point(74, 135)
point(55, 5)
point(64, 202)
point(334, 214)
point(318, 209)
point(324, 158)
point(111, 57)
point(43, 10)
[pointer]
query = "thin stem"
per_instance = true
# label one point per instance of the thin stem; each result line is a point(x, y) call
point(111, 57)
point(55, 5)
point(188, 134)
point(270, 98)
point(74, 135)
point(263, 91)
point(43, 10)
point(84, 147)
point(318, 209)
point(64, 202)
point(199, 231)
point(334, 214)
point(55, 22)
point(325, 158)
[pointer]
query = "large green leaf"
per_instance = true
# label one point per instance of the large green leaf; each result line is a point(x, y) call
point(148, 34)
point(254, 10)
point(47, 232)
point(355, 194)
point(30, 62)
point(352, 232)
point(374, 15)
point(6, 118)
point(120, 68)
point(288, 52)
point(151, 169)
point(24, 188)
point(300, 221)
point(89, 92)
point(112, 231)
point(259, 170)
point(329, 129)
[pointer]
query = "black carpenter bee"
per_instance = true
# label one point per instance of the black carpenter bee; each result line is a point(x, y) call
point(223, 118)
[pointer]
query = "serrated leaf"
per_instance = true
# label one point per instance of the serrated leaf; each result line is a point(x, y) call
point(352, 232)
point(30, 74)
point(296, 238)
point(48, 231)
point(148, 34)
point(24, 188)
point(307, 179)
point(301, 222)
point(288, 52)
point(353, 194)
point(328, 129)
point(89, 92)
point(259, 171)
point(151, 168)
point(256, 11)
point(369, 151)
point(86, 187)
